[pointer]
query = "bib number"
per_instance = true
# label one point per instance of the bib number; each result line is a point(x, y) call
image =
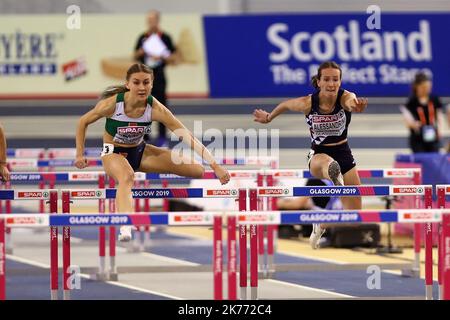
point(108, 148)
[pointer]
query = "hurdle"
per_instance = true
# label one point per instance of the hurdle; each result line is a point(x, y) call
point(109, 193)
point(266, 237)
point(343, 191)
point(204, 218)
point(358, 216)
point(411, 173)
point(442, 192)
point(47, 195)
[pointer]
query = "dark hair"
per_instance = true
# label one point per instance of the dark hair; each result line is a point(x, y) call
point(325, 65)
point(419, 78)
point(135, 68)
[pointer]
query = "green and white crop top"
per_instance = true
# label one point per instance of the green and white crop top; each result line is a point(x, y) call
point(128, 130)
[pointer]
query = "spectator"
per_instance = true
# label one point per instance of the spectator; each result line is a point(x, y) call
point(155, 49)
point(421, 116)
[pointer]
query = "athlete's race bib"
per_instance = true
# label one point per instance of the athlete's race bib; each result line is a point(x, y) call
point(108, 148)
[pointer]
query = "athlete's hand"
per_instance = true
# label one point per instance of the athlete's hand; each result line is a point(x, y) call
point(81, 162)
point(360, 104)
point(222, 174)
point(261, 116)
point(4, 173)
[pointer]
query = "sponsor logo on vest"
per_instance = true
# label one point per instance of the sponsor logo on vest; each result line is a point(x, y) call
point(272, 191)
point(125, 130)
point(407, 190)
point(32, 194)
point(447, 190)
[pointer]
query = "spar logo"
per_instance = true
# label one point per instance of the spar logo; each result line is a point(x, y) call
point(132, 130)
point(219, 192)
point(25, 221)
point(191, 218)
point(256, 218)
point(83, 176)
point(408, 190)
point(32, 194)
point(398, 173)
point(273, 191)
point(422, 216)
point(285, 174)
point(241, 174)
point(86, 193)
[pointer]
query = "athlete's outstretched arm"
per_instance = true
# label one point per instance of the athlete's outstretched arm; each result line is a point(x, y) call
point(103, 108)
point(351, 103)
point(161, 114)
point(301, 104)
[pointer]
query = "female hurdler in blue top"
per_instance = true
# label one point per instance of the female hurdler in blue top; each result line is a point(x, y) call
point(129, 110)
point(328, 113)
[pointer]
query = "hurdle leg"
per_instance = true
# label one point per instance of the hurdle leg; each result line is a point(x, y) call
point(147, 210)
point(441, 248)
point(428, 249)
point(261, 262)
point(446, 263)
point(217, 258)
point(231, 261)
point(253, 248)
point(101, 275)
point(271, 231)
point(66, 247)
point(8, 209)
point(417, 179)
point(2, 260)
point(260, 228)
point(112, 274)
point(243, 247)
point(53, 249)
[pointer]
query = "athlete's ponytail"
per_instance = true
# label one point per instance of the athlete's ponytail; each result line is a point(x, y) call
point(135, 68)
point(112, 90)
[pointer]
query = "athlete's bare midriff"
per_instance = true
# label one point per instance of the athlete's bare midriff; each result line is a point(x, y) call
point(335, 144)
point(107, 138)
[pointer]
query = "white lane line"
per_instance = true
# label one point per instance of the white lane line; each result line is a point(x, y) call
point(169, 259)
point(85, 276)
point(27, 261)
point(128, 286)
point(310, 288)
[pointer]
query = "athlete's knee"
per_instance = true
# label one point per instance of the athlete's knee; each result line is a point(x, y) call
point(126, 178)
